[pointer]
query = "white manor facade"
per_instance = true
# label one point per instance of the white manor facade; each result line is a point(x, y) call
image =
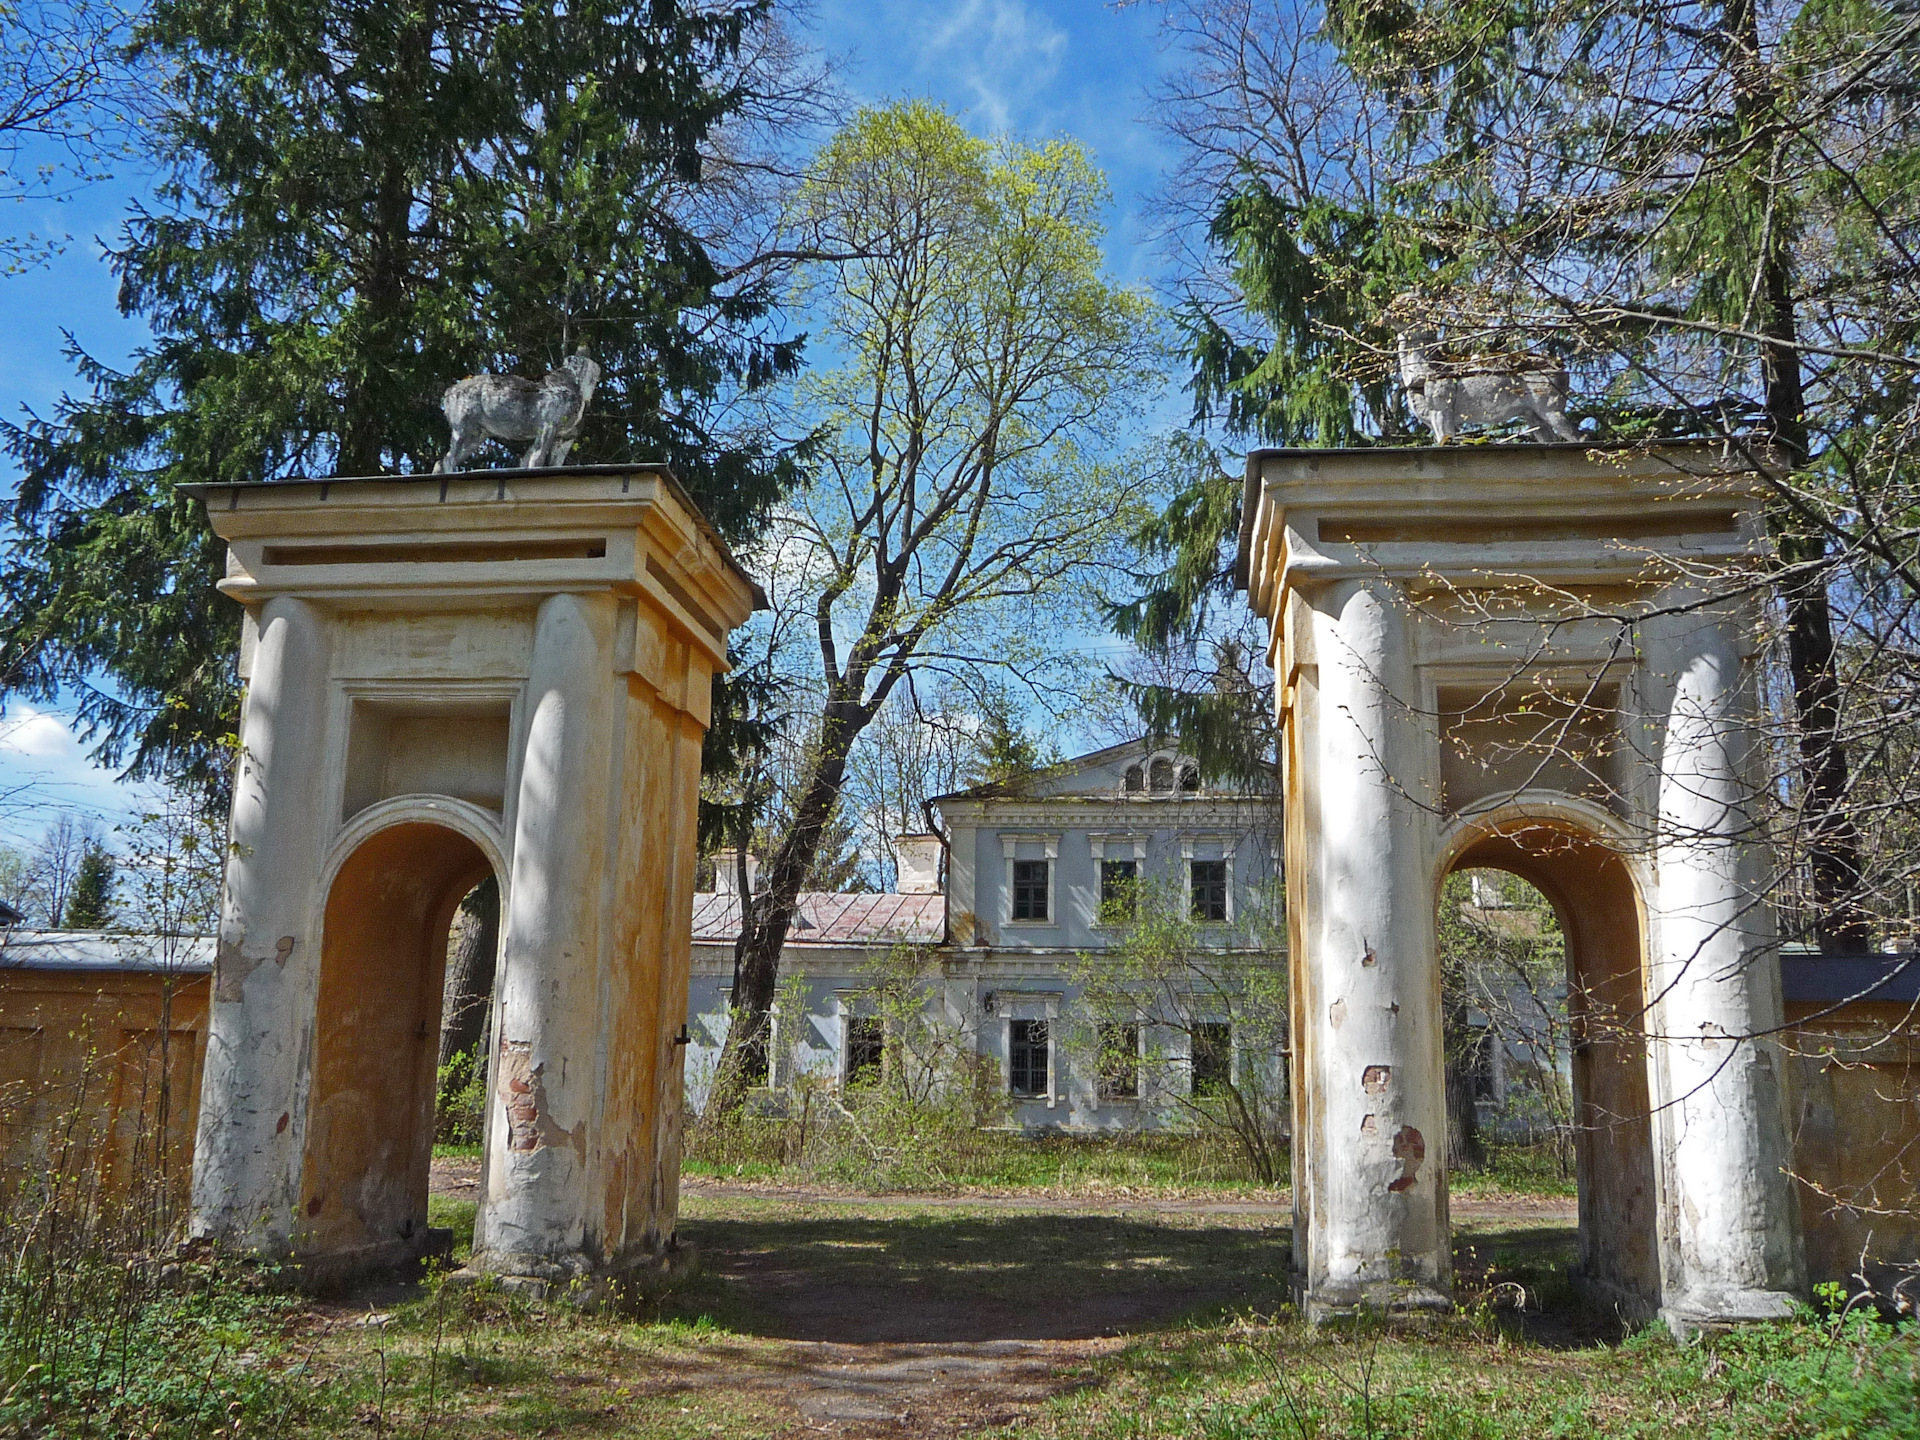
point(1005, 905)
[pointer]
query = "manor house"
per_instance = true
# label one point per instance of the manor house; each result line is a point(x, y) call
point(1030, 883)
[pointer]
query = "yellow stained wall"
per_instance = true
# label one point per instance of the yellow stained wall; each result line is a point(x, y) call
point(82, 1057)
point(1853, 1091)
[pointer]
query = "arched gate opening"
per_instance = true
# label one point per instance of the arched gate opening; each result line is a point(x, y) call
point(1592, 891)
point(369, 1140)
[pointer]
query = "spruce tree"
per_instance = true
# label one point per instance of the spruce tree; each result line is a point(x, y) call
point(90, 907)
point(362, 201)
point(1705, 208)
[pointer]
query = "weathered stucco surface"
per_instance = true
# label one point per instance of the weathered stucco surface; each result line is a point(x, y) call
point(84, 1047)
point(1529, 657)
point(506, 671)
point(1853, 1087)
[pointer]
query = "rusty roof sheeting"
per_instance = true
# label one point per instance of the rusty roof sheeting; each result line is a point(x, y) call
point(823, 918)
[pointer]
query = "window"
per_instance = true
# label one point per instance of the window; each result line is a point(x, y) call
point(1479, 1064)
point(1118, 885)
point(865, 1039)
point(1030, 889)
point(1208, 882)
point(1190, 778)
point(1119, 1062)
point(1212, 1057)
point(1136, 779)
point(1160, 774)
point(1027, 1058)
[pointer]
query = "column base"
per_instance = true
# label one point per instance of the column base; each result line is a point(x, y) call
point(1705, 1312)
point(576, 1280)
point(1631, 1306)
point(1373, 1297)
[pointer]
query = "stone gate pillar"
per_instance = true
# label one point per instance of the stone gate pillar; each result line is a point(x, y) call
point(505, 671)
point(246, 1166)
point(1715, 986)
point(1376, 1217)
point(540, 1215)
point(1532, 653)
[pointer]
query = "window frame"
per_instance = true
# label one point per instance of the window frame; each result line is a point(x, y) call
point(1114, 889)
point(1104, 1092)
point(1115, 848)
point(1044, 1051)
point(848, 1021)
point(1194, 885)
point(1010, 843)
point(1033, 891)
point(1193, 1057)
point(1228, 843)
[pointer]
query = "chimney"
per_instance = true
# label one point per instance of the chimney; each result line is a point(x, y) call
point(726, 872)
point(918, 860)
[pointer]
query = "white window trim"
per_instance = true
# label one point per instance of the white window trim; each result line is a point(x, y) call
point(845, 1003)
point(1010, 843)
point(1113, 846)
point(1139, 1095)
point(1228, 843)
point(1048, 1001)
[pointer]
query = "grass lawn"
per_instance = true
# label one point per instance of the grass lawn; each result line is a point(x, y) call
point(1085, 1314)
point(1055, 1164)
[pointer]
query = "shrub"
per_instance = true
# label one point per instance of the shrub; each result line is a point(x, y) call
point(460, 1117)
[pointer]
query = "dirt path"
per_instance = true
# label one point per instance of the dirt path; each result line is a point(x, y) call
point(939, 1315)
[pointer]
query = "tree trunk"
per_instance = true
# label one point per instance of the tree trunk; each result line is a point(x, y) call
point(765, 917)
point(1464, 1150)
point(470, 965)
point(1828, 834)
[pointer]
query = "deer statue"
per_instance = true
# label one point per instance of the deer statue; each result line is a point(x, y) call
point(545, 415)
point(1483, 391)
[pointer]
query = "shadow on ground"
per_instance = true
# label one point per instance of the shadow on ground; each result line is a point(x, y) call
point(955, 1278)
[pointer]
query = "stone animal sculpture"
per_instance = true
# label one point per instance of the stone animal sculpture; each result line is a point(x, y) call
point(545, 416)
point(1450, 395)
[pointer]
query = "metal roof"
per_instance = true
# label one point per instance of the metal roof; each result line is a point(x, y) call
point(104, 950)
point(823, 918)
point(1835, 979)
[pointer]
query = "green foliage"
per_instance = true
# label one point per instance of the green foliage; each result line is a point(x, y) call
point(984, 354)
point(1318, 275)
point(361, 203)
point(917, 1122)
point(460, 1113)
point(967, 490)
point(1173, 980)
point(90, 906)
point(1007, 751)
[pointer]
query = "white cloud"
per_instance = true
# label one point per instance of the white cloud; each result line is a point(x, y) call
point(45, 771)
point(1004, 55)
point(38, 735)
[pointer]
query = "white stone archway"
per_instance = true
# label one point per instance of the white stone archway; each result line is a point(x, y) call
point(446, 675)
point(1458, 635)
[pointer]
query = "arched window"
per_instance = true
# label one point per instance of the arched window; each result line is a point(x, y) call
point(1190, 778)
point(1136, 779)
point(1161, 773)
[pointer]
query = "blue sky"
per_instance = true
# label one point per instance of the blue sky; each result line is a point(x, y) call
point(1033, 67)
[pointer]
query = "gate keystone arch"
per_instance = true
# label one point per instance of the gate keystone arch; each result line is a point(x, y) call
point(1536, 658)
point(447, 676)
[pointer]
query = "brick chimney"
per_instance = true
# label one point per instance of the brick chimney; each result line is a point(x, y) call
point(918, 860)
